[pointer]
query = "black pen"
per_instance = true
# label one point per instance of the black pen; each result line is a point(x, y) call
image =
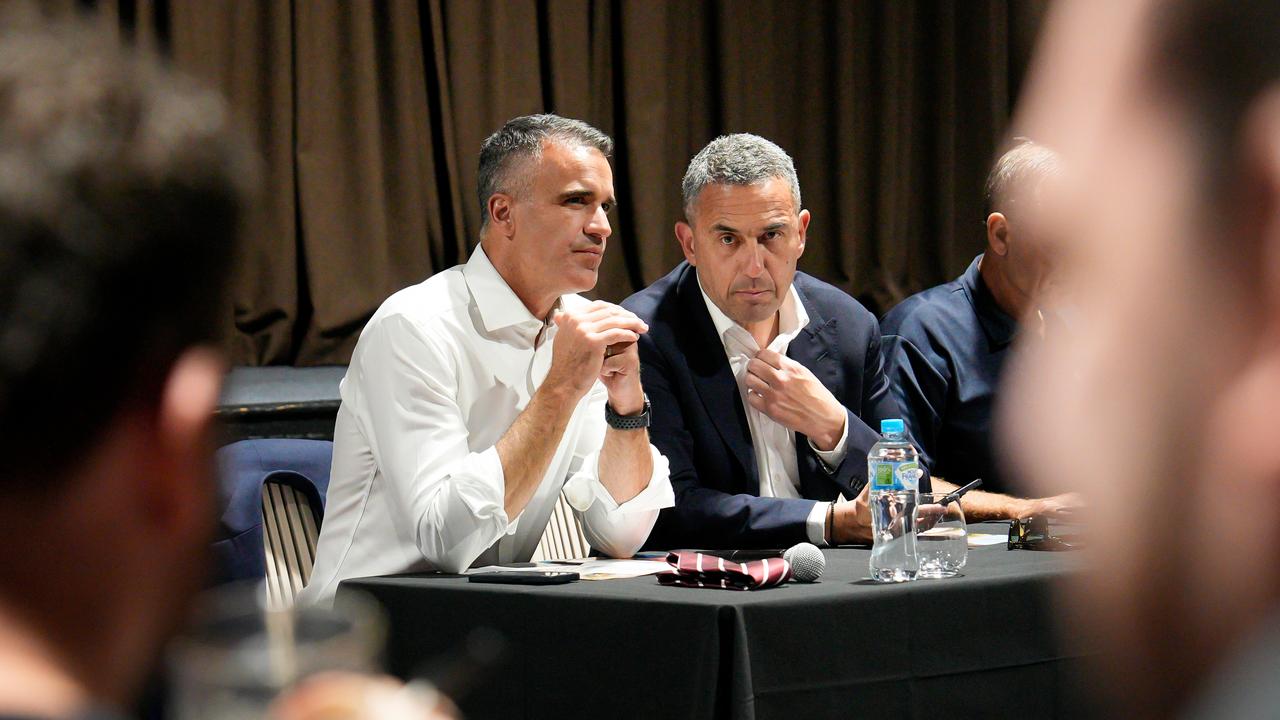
point(958, 493)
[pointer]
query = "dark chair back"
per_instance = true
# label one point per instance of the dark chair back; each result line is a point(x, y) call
point(272, 500)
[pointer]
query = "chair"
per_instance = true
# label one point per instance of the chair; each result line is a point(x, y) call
point(563, 539)
point(290, 548)
point(273, 500)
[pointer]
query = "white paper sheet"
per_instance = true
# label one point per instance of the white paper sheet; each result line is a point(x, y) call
point(983, 539)
point(608, 569)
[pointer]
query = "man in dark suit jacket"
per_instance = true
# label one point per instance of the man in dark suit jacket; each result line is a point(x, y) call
point(765, 384)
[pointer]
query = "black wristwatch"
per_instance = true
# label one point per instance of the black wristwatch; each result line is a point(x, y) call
point(627, 422)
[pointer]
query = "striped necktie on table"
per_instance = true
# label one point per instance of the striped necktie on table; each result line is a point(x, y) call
point(695, 569)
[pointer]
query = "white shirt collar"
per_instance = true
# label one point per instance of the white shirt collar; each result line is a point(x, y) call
point(498, 304)
point(792, 318)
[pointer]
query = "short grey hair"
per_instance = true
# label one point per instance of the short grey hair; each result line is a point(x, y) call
point(1024, 162)
point(522, 139)
point(738, 159)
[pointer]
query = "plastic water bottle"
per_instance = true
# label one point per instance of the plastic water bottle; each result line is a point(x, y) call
point(893, 471)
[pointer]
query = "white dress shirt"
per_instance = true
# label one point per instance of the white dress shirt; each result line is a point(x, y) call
point(439, 374)
point(774, 443)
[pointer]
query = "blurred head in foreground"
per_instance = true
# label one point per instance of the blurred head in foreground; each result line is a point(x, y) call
point(1163, 409)
point(120, 196)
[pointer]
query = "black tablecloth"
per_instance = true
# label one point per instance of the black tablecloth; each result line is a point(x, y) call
point(982, 644)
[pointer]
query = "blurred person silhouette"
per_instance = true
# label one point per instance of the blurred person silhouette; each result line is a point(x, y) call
point(121, 192)
point(1162, 407)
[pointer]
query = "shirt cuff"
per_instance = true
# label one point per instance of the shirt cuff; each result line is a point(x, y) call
point(491, 500)
point(816, 525)
point(832, 458)
point(584, 488)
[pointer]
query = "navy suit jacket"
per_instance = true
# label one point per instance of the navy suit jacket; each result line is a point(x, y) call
point(699, 424)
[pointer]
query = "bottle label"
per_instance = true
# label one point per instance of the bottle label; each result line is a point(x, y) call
point(889, 475)
point(907, 475)
point(884, 476)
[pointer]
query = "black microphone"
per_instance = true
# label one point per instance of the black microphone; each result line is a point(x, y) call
point(806, 560)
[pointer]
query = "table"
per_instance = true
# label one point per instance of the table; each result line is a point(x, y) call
point(982, 644)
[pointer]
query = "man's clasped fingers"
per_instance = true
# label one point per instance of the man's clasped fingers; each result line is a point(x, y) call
point(756, 385)
point(616, 338)
point(600, 320)
point(767, 373)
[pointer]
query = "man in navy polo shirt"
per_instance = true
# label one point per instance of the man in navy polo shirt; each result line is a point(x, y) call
point(945, 348)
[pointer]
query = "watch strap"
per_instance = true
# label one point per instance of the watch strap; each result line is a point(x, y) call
point(627, 422)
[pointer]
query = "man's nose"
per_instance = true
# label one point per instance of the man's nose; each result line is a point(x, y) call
point(754, 266)
point(599, 224)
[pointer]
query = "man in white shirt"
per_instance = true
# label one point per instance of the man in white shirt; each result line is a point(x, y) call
point(474, 398)
point(767, 384)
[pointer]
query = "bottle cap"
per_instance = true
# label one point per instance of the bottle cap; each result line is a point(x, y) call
point(891, 426)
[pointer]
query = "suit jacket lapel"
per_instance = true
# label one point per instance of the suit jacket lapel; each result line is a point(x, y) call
point(713, 378)
point(815, 348)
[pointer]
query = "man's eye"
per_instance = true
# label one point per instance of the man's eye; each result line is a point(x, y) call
point(726, 239)
point(607, 206)
point(576, 201)
point(772, 234)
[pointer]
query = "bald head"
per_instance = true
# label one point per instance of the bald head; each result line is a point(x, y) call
point(1018, 171)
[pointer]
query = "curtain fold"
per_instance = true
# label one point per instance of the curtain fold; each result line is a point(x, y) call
point(370, 116)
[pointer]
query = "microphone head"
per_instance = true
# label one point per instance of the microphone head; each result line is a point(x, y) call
point(807, 562)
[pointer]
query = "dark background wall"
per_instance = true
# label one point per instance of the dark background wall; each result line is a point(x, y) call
point(370, 116)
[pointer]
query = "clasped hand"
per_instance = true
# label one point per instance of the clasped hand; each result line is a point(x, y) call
point(598, 341)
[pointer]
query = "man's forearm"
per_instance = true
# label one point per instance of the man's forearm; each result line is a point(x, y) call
point(979, 506)
point(625, 463)
point(528, 446)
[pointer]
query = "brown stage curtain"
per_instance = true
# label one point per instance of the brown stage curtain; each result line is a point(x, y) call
point(370, 117)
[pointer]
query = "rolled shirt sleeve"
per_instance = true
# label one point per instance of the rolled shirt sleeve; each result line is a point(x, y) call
point(454, 496)
point(618, 530)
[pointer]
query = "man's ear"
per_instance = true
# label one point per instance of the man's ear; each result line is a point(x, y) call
point(500, 216)
point(802, 225)
point(684, 233)
point(998, 233)
point(184, 441)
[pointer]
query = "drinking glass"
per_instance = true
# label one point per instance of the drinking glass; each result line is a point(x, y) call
point(238, 655)
point(942, 538)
